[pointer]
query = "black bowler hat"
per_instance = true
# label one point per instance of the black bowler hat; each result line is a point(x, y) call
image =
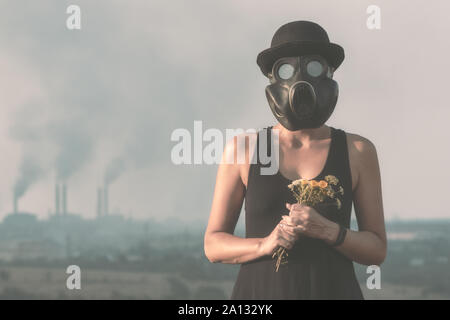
point(299, 38)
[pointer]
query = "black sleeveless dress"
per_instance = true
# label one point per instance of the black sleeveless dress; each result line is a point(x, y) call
point(315, 270)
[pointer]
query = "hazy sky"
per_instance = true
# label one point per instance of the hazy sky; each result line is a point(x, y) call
point(76, 105)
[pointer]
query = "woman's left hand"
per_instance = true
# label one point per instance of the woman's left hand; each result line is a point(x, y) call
point(307, 221)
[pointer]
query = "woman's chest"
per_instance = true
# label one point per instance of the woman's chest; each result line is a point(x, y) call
point(304, 164)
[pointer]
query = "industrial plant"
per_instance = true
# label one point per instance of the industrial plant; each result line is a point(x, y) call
point(61, 199)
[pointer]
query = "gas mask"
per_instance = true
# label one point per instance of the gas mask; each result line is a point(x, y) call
point(302, 93)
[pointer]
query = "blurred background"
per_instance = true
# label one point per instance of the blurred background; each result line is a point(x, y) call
point(86, 118)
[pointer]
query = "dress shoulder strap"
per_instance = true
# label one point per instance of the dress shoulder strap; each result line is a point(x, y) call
point(341, 156)
point(264, 133)
point(340, 167)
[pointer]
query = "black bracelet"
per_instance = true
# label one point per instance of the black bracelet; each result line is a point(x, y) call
point(341, 236)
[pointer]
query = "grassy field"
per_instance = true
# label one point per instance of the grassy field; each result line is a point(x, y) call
point(42, 283)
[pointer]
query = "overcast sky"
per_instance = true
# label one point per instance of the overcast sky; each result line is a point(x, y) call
point(102, 102)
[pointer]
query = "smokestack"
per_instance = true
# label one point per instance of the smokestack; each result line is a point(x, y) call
point(57, 203)
point(15, 203)
point(105, 200)
point(99, 202)
point(64, 199)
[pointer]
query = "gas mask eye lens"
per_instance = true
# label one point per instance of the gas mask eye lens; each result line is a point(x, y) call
point(314, 68)
point(285, 71)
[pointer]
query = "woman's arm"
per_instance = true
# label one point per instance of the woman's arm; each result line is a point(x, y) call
point(368, 244)
point(220, 244)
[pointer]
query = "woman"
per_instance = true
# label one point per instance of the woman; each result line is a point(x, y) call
point(321, 248)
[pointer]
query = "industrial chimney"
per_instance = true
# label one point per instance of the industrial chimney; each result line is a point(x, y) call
point(99, 202)
point(105, 200)
point(57, 203)
point(64, 199)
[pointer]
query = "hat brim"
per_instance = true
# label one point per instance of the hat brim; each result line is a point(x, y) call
point(334, 53)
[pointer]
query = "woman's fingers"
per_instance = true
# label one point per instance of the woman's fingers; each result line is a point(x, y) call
point(295, 206)
point(288, 233)
point(299, 229)
point(285, 235)
point(295, 219)
point(288, 220)
point(290, 230)
point(286, 244)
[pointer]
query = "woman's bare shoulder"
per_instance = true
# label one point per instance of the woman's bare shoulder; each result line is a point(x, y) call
point(362, 156)
point(360, 146)
point(237, 147)
point(238, 153)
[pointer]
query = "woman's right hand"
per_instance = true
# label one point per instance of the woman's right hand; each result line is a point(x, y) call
point(282, 236)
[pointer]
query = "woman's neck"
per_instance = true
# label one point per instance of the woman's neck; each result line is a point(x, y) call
point(302, 137)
